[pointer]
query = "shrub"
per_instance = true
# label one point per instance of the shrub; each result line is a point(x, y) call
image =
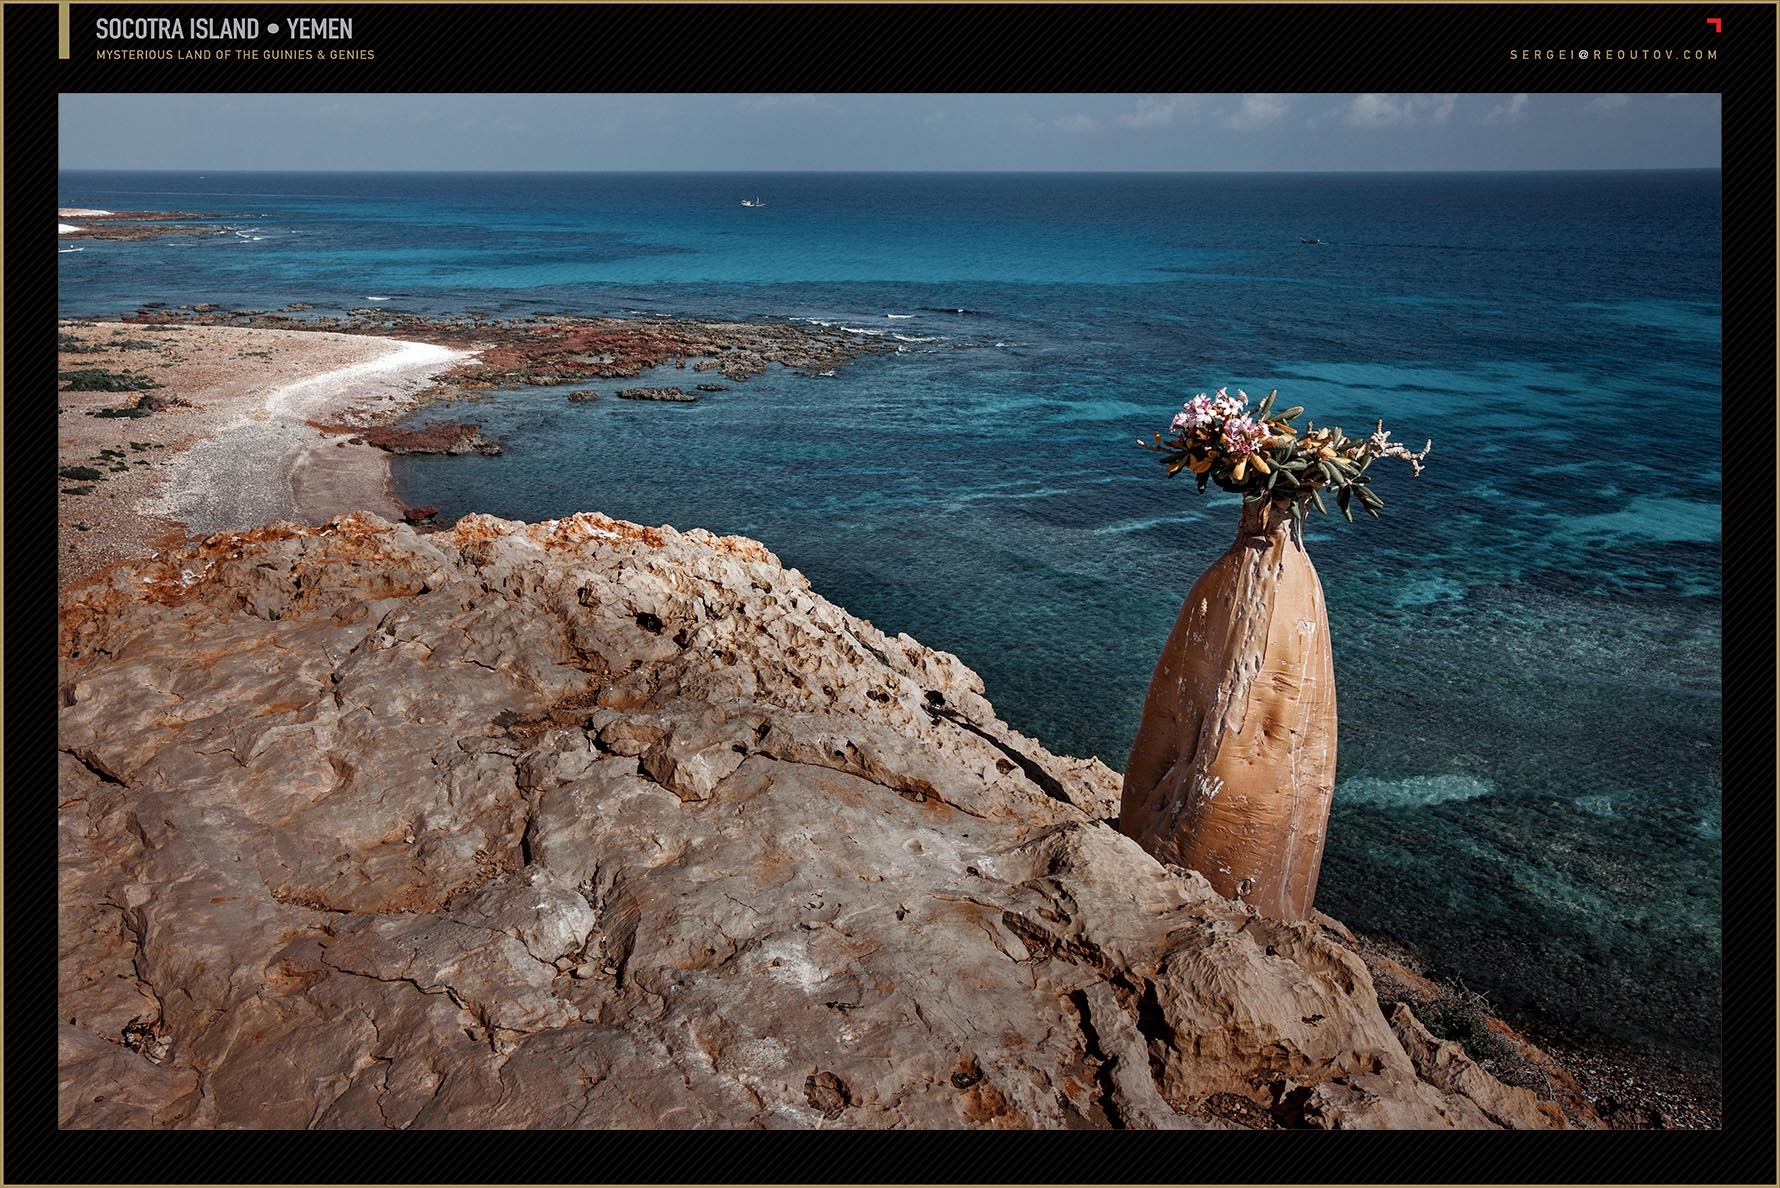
point(1462, 1015)
point(101, 379)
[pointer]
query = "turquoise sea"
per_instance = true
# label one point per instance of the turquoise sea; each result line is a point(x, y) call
point(1527, 644)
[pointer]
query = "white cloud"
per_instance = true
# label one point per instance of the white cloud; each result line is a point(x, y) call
point(1326, 116)
point(1602, 104)
point(1153, 111)
point(1077, 122)
point(1259, 108)
point(1380, 109)
point(1507, 113)
point(1374, 109)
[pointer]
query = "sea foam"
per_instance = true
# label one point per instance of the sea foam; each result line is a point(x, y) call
point(1413, 791)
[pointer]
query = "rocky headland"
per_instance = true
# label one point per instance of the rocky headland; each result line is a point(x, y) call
point(546, 350)
point(586, 824)
point(130, 224)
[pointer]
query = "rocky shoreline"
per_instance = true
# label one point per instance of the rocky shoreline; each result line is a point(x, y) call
point(632, 663)
point(546, 350)
point(140, 393)
point(131, 224)
point(590, 824)
point(1621, 1088)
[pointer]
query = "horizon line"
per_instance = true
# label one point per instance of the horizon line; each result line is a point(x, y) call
point(968, 172)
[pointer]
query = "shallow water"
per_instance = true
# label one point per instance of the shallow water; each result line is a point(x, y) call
point(1526, 645)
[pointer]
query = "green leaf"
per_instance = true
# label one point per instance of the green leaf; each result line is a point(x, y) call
point(1318, 496)
point(1295, 411)
point(1371, 512)
point(1266, 405)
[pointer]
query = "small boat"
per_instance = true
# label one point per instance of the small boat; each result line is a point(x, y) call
point(752, 202)
point(1307, 239)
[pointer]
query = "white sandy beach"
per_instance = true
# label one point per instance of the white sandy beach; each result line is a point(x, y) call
point(268, 464)
point(231, 448)
point(77, 212)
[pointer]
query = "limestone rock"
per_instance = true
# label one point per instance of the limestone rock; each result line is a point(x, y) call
point(1444, 1064)
point(585, 824)
point(105, 1086)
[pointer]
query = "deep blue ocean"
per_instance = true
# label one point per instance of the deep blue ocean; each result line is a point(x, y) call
point(1527, 644)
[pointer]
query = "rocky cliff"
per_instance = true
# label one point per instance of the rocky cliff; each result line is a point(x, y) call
point(583, 824)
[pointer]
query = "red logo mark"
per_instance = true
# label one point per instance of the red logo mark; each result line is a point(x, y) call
point(1717, 24)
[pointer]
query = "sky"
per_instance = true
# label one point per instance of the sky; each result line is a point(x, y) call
point(771, 132)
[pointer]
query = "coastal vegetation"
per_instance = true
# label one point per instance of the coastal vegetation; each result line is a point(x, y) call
point(103, 379)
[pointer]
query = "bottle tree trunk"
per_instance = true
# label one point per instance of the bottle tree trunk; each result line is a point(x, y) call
point(1234, 765)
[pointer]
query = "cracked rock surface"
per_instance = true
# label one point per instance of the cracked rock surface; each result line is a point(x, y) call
point(584, 824)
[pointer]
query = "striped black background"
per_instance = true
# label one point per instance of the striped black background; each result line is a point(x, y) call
point(934, 47)
point(948, 47)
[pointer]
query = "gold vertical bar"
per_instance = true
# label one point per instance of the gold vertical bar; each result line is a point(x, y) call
point(62, 29)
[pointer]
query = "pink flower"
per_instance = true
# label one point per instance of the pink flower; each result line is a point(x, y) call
point(1198, 413)
point(1209, 413)
point(1226, 405)
point(1242, 436)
